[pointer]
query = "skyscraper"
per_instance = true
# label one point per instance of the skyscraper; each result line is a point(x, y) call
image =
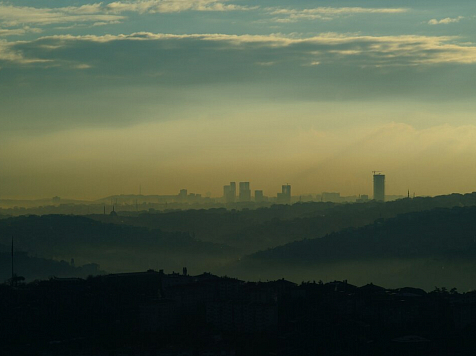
point(183, 195)
point(229, 192)
point(245, 192)
point(259, 196)
point(233, 190)
point(379, 186)
point(285, 196)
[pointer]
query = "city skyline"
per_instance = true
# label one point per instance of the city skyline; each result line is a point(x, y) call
point(245, 193)
point(100, 97)
point(308, 166)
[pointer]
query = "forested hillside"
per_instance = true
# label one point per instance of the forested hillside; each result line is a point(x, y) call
point(32, 268)
point(430, 247)
point(114, 247)
point(253, 230)
point(387, 243)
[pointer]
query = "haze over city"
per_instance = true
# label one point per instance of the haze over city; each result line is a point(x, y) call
point(98, 98)
point(237, 177)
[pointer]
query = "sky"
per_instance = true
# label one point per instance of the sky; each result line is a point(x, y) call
point(101, 97)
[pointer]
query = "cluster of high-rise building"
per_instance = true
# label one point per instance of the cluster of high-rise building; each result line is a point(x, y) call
point(244, 194)
point(233, 193)
point(185, 196)
point(241, 193)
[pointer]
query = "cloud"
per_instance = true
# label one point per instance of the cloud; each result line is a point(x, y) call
point(101, 14)
point(18, 15)
point(445, 21)
point(405, 50)
point(266, 64)
point(82, 66)
point(327, 13)
point(9, 54)
point(18, 31)
point(167, 6)
point(328, 67)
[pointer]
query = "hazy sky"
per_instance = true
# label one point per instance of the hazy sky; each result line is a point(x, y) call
point(97, 98)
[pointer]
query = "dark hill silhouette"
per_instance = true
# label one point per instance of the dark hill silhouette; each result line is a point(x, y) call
point(114, 247)
point(263, 228)
point(32, 268)
point(211, 239)
point(432, 247)
point(449, 233)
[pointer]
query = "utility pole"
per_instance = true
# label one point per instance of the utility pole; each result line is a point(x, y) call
point(12, 263)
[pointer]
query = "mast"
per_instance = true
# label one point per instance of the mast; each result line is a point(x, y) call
point(12, 263)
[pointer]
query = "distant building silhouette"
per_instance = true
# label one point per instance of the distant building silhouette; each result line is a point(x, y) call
point(183, 194)
point(259, 196)
point(379, 186)
point(245, 192)
point(363, 198)
point(285, 196)
point(233, 188)
point(229, 192)
point(331, 197)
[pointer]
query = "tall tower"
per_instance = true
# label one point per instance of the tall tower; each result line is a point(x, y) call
point(229, 192)
point(245, 192)
point(183, 195)
point(379, 186)
point(285, 196)
point(233, 191)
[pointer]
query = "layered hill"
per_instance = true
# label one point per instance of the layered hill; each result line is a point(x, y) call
point(32, 268)
point(435, 247)
point(114, 247)
point(252, 230)
point(385, 243)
